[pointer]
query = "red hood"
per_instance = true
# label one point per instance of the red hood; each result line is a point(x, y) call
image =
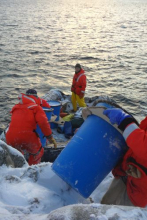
point(25, 99)
point(80, 72)
point(143, 124)
point(24, 102)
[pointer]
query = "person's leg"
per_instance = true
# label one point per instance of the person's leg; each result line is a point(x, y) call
point(36, 158)
point(81, 102)
point(117, 194)
point(74, 102)
point(34, 148)
point(29, 142)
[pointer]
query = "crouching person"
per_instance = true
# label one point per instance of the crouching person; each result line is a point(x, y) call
point(129, 187)
point(21, 133)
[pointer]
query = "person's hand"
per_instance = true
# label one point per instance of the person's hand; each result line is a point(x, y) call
point(52, 141)
point(81, 95)
point(116, 115)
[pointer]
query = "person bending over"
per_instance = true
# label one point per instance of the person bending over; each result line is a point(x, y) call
point(129, 186)
point(22, 134)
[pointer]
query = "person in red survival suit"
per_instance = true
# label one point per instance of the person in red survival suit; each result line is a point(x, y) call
point(129, 186)
point(21, 132)
point(78, 87)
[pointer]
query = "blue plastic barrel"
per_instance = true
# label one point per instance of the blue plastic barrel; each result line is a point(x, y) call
point(90, 155)
point(48, 112)
point(56, 106)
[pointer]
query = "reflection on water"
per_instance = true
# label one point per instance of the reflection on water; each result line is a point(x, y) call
point(40, 42)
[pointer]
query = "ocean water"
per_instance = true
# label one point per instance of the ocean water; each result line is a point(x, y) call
point(42, 40)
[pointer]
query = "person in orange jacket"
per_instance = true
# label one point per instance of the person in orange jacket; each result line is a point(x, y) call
point(78, 87)
point(129, 186)
point(21, 133)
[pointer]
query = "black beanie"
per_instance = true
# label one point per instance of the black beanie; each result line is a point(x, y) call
point(78, 65)
point(31, 92)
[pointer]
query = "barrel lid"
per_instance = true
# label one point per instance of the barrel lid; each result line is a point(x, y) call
point(53, 103)
point(98, 111)
point(48, 109)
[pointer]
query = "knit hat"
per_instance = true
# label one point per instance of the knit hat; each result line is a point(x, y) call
point(78, 65)
point(31, 92)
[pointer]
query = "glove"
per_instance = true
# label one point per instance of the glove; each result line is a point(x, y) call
point(52, 141)
point(116, 115)
point(81, 95)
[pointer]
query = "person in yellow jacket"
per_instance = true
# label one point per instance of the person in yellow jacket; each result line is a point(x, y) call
point(78, 87)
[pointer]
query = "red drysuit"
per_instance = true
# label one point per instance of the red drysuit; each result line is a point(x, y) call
point(136, 139)
point(79, 82)
point(21, 133)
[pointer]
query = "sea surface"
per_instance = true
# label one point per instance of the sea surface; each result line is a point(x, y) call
point(42, 40)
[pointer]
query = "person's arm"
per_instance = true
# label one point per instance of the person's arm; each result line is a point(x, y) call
point(44, 103)
point(81, 90)
point(135, 137)
point(72, 86)
point(42, 121)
